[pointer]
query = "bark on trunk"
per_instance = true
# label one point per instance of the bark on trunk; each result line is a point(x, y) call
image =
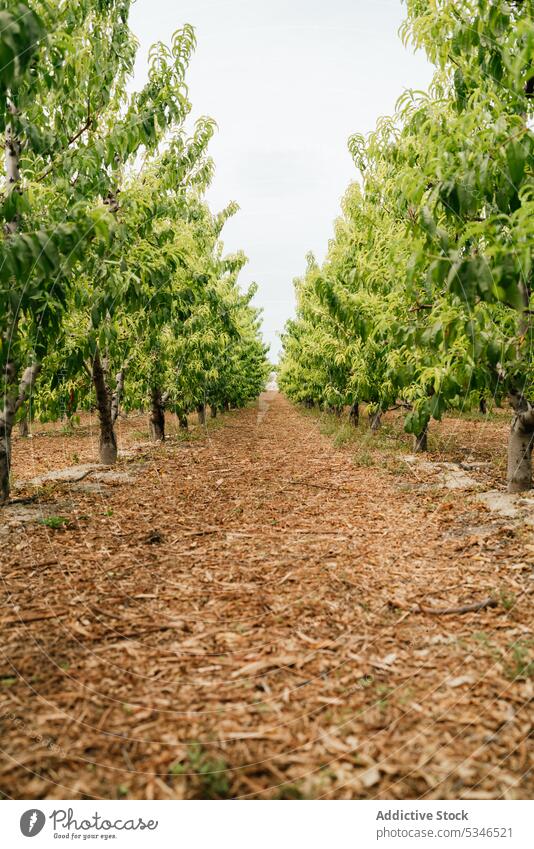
point(108, 441)
point(117, 395)
point(5, 459)
point(12, 163)
point(354, 414)
point(375, 421)
point(12, 402)
point(157, 416)
point(421, 441)
point(482, 406)
point(520, 451)
point(23, 426)
point(7, 416)
point(213, 411)
point(201, 411)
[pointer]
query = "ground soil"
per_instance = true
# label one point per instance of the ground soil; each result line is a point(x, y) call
point(251, 612)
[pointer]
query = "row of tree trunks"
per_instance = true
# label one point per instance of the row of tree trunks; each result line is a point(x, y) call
point(520, 444)
point(157, 415)
point(375, 422)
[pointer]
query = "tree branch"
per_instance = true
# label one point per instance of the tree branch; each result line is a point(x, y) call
point(87, 125)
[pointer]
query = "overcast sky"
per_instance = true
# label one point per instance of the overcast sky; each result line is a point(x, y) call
point(288, 81)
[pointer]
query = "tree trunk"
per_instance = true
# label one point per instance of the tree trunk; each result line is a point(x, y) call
point(354, 414)
point(482, 406)
point(23, 425)
point(12, 402)
point(183, 424)
point(201, 411)
point(375, 421)
point(5, 459)
point(421, 440)
point(157, 416)
point(108, 441)
point(520, 451)
point(7, 415)
point(213, 411)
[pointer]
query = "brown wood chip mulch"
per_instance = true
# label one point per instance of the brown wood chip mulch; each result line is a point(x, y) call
point(249, 614)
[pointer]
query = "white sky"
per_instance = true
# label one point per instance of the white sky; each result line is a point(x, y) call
point(288, 81)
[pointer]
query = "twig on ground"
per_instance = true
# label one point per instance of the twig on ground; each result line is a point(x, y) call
point(465, 608)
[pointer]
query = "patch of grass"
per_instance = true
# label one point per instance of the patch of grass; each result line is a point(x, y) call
point(69, 427)
point(522, 663)
point(494, 414)
point(328, 425)
point(289, 792)
point(54, 522)
point(507, 599)
point(397, 467)
point(364, 458)
point(208, 773)
point(345, 433)
point(383, 692)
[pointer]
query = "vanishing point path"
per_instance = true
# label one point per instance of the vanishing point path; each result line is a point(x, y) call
point(237, 615)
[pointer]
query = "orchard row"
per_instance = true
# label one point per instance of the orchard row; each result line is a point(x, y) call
point(424, 298)
point(114, 287)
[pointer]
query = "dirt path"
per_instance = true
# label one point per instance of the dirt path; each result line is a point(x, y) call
point(236, 620)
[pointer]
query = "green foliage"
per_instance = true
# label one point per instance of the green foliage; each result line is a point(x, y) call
point(424, 296)
point(210, 775)
point(108, 247)
point(521, 664)
point(55, 522)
